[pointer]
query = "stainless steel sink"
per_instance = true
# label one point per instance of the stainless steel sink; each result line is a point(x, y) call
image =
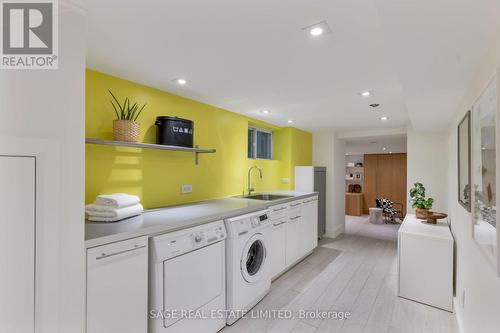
point(266, 196)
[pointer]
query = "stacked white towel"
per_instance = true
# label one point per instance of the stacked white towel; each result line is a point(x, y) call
point(114, 207)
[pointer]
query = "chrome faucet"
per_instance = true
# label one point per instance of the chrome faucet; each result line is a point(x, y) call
point(250, 186)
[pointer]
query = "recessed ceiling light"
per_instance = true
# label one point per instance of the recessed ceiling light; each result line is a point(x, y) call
point(266, 111)
point(383, 148)
point(290, 121)
point(181, 81)
point(318, 31)
point(483, 148)
point(374, 105)
point(384, 118)
point(390, 152)
point(366, 93)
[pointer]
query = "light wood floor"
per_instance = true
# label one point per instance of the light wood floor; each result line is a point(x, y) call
point(356, 272)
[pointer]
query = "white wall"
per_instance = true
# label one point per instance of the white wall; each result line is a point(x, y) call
point(376, 144)
point(354, 158)
point(43, 113)
point(427, 163)
point(481, 311)
point(329, 151)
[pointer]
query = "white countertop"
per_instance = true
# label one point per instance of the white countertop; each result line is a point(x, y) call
point(169, 219)
point(412, 225)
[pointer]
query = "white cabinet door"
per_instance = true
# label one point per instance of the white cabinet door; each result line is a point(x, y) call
point(310, 224)
point(278, 211)
point(277, 250)
point(17, 244)
point(294, 244)
point(426, 250)
point(117, 287)
point(313, 228)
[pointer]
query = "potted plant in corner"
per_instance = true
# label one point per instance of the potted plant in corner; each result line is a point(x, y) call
point(419, 202)
point(125, 126)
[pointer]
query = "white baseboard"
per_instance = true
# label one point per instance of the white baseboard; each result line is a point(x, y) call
point(333, 233)
point(458, 315)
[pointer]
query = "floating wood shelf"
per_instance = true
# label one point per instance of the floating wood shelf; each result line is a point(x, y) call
point(195, 150)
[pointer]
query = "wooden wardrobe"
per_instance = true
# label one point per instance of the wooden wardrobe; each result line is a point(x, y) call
point(385, 177)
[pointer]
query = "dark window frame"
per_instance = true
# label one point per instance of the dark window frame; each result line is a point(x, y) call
point(253, 150)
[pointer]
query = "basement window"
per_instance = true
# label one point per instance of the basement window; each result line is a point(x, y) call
point(260, 144)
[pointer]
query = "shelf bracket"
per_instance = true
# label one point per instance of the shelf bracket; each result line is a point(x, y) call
point(196, 157)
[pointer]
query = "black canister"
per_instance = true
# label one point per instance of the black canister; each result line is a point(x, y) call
point(173, 131)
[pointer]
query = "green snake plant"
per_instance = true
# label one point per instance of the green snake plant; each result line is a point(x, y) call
point(126, 110)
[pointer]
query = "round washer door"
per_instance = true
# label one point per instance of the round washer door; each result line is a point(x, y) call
point(253, 258)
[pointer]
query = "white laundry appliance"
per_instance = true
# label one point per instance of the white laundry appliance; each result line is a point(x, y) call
point(247, 266)
point(187, 289)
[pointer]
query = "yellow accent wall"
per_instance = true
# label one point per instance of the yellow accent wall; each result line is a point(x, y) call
point(156, 176)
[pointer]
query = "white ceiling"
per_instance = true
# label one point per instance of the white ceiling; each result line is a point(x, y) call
point(374, 144)
point(437, 46)
point(246, 56)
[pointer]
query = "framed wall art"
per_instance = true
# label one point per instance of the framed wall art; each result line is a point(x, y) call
point(464, 147)
point(485, 164)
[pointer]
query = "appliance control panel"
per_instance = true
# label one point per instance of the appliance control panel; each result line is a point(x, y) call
point(207, 236)
point(174, 244)
point(241, 225)
point(198, 238)
point(259, 220)
point(214, 234)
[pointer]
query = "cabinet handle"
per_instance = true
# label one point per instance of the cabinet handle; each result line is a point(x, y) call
point(278, 209)
point(294, 218)
point(277, 224)
point(107, 255)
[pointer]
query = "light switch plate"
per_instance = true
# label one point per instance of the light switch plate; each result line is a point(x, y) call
point(187, 188)
point(284, 180)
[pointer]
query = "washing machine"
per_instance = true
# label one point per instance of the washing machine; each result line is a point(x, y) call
point(248, 274)
point(187, 287)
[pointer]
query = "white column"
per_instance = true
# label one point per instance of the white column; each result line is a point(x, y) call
point(43, 114)
point(329, 151)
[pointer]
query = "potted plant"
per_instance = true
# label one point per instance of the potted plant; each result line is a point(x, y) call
point(125, 126)
point(419, 202)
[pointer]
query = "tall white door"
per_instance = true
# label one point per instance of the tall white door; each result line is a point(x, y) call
point(17, 244)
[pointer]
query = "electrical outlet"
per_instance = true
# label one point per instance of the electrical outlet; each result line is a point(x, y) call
point(284, 180)
point(188, 188)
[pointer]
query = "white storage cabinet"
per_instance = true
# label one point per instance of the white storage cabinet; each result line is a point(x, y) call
point(294, 233)
point(117, 287)
point(277, 250)
point(309, 224)
point(425, 258)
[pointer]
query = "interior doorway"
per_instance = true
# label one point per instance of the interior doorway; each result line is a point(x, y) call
point(376, 180)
